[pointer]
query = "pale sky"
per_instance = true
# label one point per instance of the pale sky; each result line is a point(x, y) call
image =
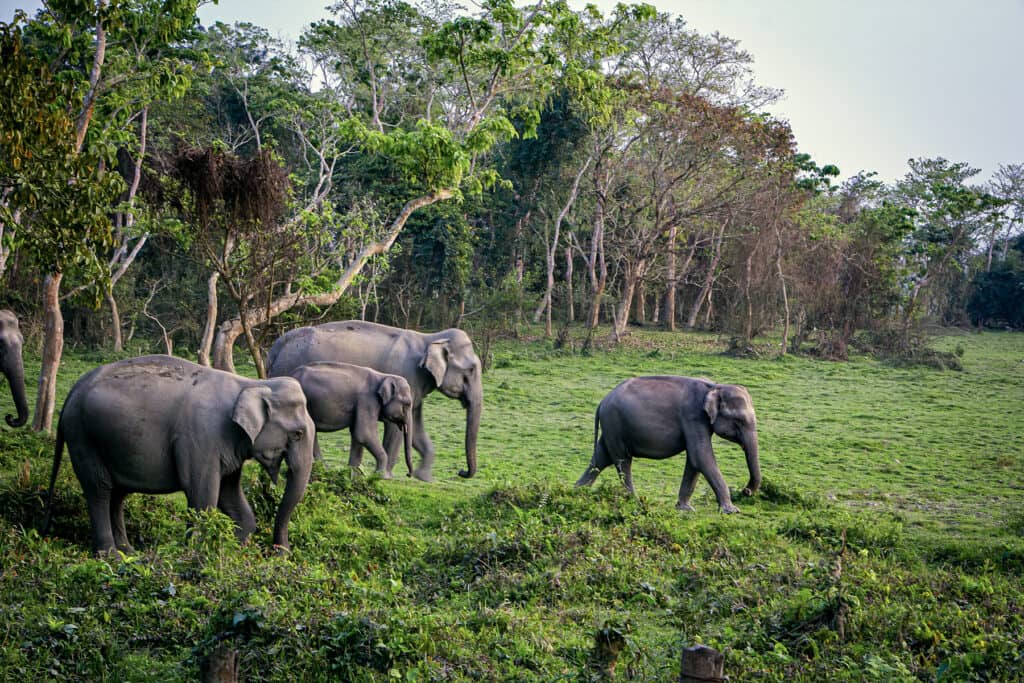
point(868, 83)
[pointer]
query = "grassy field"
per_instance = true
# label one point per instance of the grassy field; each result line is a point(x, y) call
point(887, 542)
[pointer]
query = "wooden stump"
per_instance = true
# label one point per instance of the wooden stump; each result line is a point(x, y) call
point(700, 664)
point(221, 665)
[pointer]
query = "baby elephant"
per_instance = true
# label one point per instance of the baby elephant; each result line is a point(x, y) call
point(345, 396)
point(658, 417)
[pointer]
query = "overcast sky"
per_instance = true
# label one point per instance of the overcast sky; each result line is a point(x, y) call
point(868, 83)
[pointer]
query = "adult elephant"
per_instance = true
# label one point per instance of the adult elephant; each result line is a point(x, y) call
point(159, 424)
point(658, 417)
point(11, 342)
point(443, 360)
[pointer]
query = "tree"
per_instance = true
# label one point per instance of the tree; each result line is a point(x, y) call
point(65, 194)
point(949, 217)
point(433, 136)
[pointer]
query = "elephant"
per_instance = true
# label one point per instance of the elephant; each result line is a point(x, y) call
point(443, 360)
point(159, 424)
point(346, 396)
point(11, 365)
point(658, 417)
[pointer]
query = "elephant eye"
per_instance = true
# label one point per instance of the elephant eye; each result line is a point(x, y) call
point(295, 436)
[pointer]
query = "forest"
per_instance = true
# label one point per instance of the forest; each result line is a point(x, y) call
point(588, 194)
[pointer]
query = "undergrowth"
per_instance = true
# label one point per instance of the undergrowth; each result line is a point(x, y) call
point(885, 543)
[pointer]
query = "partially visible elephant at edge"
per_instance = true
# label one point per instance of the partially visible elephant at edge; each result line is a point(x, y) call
point(11, 342)
point(345, 396)
point(444, 360)
point(159, 424)
point(658, 417)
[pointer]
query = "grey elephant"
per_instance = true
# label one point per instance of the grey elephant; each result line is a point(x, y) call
point(159, 424)
point(11, 342)
point(658, 417)
point(346, 396)
point(443, 360)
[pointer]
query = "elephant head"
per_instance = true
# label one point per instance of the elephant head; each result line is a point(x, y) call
point(731, 413)
point(396, 406)
point(452, 363)
point(11, 365)
point(273, 415)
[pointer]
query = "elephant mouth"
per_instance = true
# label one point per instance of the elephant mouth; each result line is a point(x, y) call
point(271, 463)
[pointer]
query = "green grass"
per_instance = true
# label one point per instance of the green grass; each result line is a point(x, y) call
point(886, 544)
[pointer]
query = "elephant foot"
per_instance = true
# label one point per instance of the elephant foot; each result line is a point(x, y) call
point(684, 507)
point(729, 509)
point(383, 474)
point(423, 475)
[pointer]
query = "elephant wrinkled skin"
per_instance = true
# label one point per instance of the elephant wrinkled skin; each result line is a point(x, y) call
point(11, 342)
point(345, 396)
point(444, 360)
point(658, 417)
point(159, 424)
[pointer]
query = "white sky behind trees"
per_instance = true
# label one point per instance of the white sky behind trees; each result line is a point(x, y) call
point(868, 83)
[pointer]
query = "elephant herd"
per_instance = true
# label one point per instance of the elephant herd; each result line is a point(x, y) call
point(161, 424)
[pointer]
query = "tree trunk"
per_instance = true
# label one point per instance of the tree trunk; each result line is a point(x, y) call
point(570, 299)
point(230, 330)
point(254, 349)
point(224, 345)
point(598, 267)
point(53, 348)
point(631, 283)
point(748, 326)
point(641, 303)
point(115, 322)
point(211, 319)
point(784, 347)
point(670, 275)
point(709, 280)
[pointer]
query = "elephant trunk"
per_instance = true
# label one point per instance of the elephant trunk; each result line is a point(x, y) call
point(300, 463)
point(407, 439)
point(474, 407)
point(14, 370)
point(753, 463)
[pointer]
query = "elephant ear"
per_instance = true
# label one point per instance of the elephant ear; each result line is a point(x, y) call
point(386, 390)
point(436, 360)
point(252, 410)
point(711, 405)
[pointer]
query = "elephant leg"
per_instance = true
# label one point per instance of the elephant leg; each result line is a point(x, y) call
point(355, 453)
point(422, 443)
point(97, 487)
point(625, 469)
point(598, 462)
point(317, 455)
point(687, 486)
point(392, 444)
point(703, 459)
point(232, 503)
point(117, 497)
point(365, 432)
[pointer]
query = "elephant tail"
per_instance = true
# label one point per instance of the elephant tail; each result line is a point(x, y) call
point(58, 452)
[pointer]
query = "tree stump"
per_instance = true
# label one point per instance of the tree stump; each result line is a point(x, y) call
point(701, 663)
point(221, 665)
